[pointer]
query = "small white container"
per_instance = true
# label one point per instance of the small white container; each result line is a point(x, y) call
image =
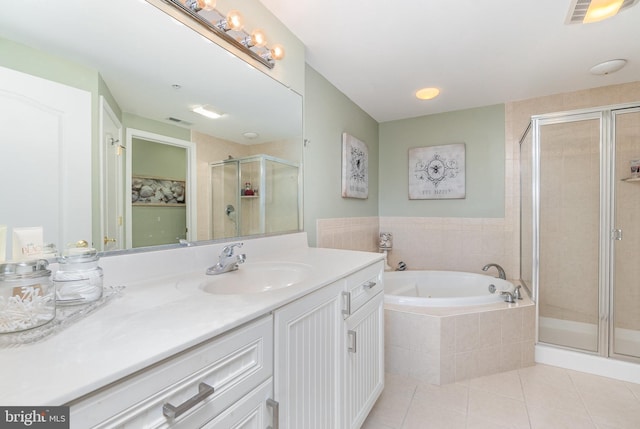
point(27, 295)
point(79, 278)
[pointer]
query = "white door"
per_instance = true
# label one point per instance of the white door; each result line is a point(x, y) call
point(307, 360)
point(363, 361)
point(45, 158)
point(112, 200)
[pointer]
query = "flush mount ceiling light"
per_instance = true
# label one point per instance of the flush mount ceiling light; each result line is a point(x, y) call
point(207, 112)
point(250, 135)
point(229, 27)
point(427, 93)
point(608, 67)
point(588, 11)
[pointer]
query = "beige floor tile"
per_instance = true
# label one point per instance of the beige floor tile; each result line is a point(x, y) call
point(420, 417)
point(452, 397)
point(475, 422)
point(629, 419)
point(391, 407)
point(373, 423)
point(542, 395)
point(497, 409)
point(505, 384)
point(545, 374)
point(544, 418)
point(635, 388)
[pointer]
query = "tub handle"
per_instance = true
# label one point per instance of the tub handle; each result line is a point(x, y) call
point(347, 301)
point(352, 343)
point(369, 284)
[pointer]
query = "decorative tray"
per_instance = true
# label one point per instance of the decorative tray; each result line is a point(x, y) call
point(65, 316)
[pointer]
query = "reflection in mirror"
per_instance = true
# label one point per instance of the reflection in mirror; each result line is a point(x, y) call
point(138, 80)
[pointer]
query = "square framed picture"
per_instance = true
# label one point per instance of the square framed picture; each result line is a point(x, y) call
point(355, 168)
point(437, 172)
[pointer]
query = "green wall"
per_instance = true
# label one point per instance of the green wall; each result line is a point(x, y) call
point(481, 129)
point(327, 114)
point(152, 225)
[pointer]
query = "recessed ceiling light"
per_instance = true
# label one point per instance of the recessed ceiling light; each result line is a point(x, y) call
point(427, 93)
point(207, 112)
point(608, 67)
point(250, 135)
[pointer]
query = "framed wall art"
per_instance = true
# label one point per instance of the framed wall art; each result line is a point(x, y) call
point(157, 191)
point(355, 168)
point(437, 172)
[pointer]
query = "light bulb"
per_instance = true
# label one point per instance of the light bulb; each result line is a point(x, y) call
point(277, 52)
point(207, 4)
point(258, 38)
point(602, 9)
point(235, 20)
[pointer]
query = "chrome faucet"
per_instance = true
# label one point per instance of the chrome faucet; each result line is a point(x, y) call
point(501, 273)
point(227, 261)
point(508, 296)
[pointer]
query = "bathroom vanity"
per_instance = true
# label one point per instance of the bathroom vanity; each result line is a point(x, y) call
point(168, 353)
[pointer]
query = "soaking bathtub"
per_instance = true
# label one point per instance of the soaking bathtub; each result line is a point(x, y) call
point(442, 288)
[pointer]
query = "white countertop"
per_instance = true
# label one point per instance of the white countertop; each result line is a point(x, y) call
point(154, 320)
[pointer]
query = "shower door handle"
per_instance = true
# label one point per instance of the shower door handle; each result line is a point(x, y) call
point(617, 234)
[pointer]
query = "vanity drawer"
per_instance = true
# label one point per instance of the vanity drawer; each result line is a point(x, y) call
point(360, 287)
point(232, 364)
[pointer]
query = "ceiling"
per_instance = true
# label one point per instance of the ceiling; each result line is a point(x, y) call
point(477, 52)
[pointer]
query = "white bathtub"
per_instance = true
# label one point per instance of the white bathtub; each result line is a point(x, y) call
point(442, 288)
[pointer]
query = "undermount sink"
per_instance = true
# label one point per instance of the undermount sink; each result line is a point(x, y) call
point(249, 278)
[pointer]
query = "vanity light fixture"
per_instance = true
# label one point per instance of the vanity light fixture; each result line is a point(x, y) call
point(230, 28)
point(207, 112)
point(588, 11)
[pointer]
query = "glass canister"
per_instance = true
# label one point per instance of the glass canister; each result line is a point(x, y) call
point(79, 278)
point(27, 295)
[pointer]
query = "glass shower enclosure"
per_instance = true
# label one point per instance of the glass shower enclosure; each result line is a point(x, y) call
point(581, 226)
point(254, 195)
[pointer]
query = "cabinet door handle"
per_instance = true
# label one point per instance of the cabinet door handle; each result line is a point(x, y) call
point(173, 412)
point(369, 284)
point(275, 406)
point(347, 301)
point(352, 341)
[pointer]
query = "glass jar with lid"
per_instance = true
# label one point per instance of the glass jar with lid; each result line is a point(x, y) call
point(79, 278)
point(27, 295)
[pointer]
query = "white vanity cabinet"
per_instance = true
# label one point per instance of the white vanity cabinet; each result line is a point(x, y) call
point(363, 354)
point(329, 353)
point(224, 380)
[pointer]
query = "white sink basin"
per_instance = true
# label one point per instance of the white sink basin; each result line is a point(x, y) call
point(249, 278)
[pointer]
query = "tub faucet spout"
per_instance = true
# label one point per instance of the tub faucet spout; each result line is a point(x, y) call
point(508, 296)
point(501, 273)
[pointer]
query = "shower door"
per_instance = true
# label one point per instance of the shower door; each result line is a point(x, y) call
point(568, 278)
point(625, 301)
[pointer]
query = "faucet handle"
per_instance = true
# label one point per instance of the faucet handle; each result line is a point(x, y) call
point(228, 249)
point(516, 293)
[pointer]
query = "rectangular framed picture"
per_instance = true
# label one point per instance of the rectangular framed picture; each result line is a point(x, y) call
point(157, 191)
point(437, 172)
point(355, 168)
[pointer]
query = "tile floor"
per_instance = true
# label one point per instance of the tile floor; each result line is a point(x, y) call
point(536, 397)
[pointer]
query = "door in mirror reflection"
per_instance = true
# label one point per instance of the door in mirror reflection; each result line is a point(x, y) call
point(160, 178)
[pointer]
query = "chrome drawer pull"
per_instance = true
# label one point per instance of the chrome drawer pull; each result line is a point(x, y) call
point(347, 310)
point(352, 343)
point(275, 406)
point(172, 412)
point(369, 284)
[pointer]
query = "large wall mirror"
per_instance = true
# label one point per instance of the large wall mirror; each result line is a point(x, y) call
point(157, 172)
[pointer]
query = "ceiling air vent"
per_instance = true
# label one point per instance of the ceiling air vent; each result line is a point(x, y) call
point(178, 121)
point(578, 10)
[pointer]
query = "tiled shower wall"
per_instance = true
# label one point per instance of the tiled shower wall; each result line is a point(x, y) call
point(461, 243)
